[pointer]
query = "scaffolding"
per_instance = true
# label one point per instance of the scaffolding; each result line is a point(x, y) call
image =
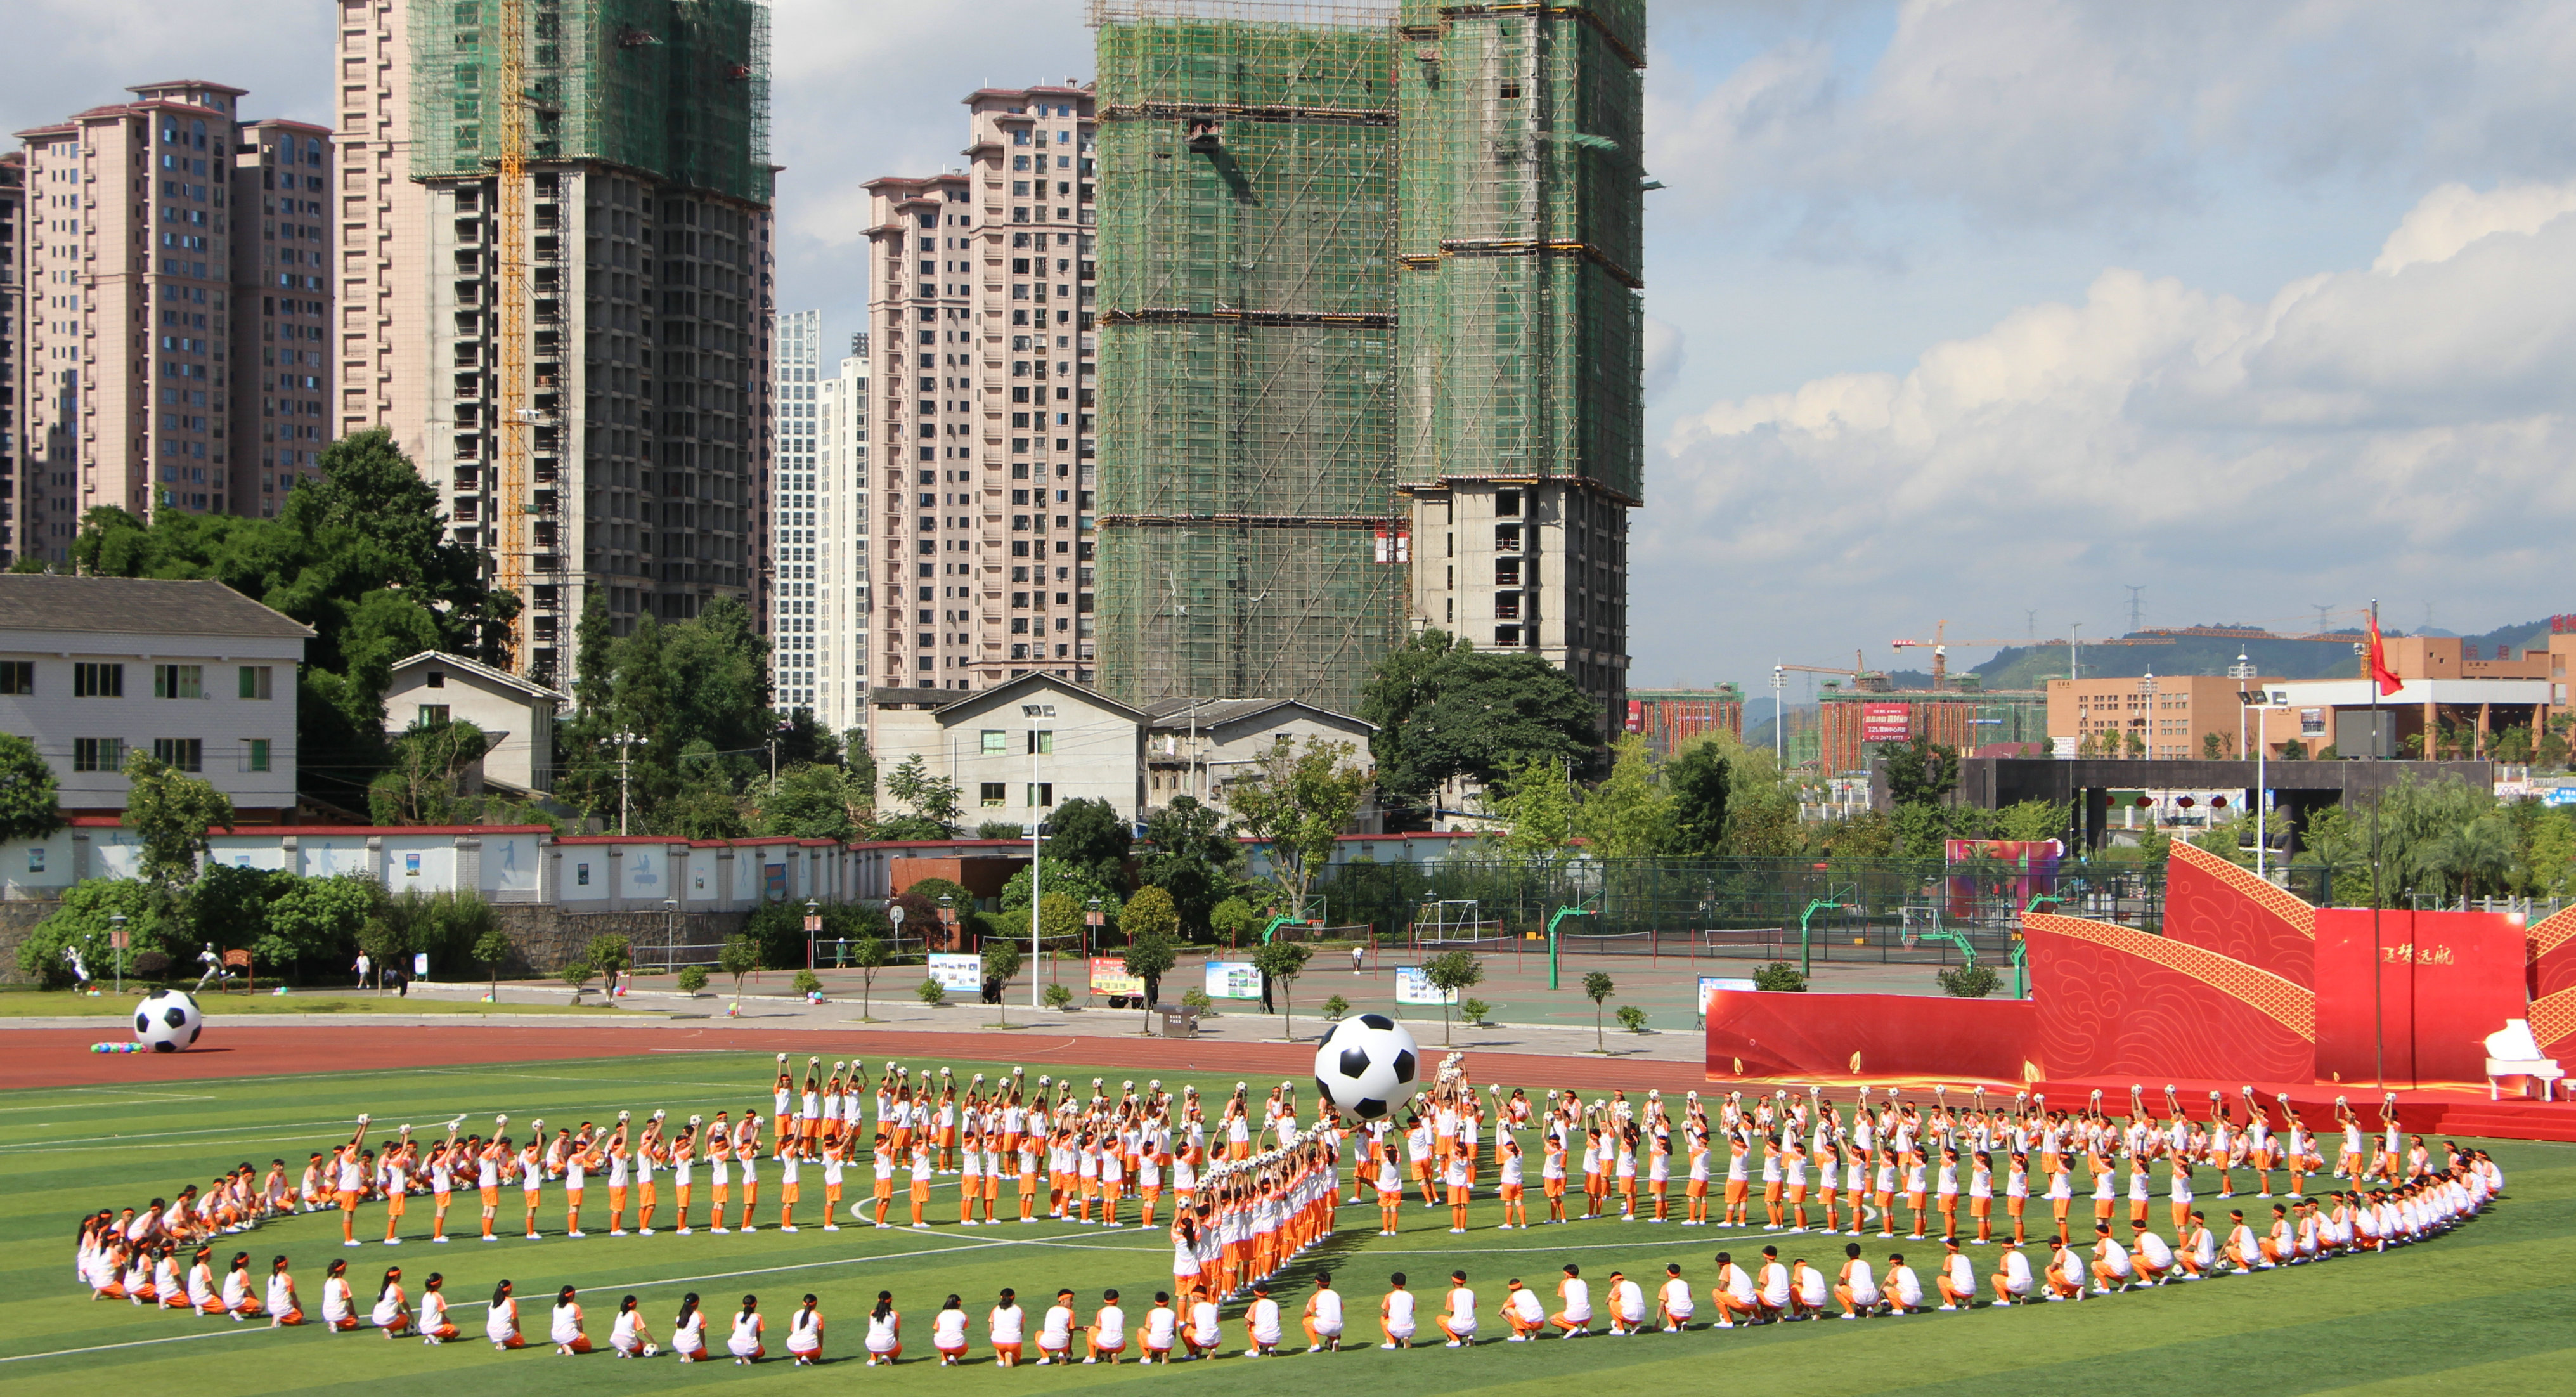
point(1519, 214)
point(677, 89)
point(1247, 323)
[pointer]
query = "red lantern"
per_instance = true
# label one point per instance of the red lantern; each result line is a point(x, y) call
point(2143, 802)
point(2185, 802)
point(2218, 802)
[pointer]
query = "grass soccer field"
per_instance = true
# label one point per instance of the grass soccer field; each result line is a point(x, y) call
point(2483, 1309)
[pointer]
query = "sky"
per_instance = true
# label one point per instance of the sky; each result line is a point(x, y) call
point(1976, 311)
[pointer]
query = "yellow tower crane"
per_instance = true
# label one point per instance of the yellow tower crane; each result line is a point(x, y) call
point(512, 395)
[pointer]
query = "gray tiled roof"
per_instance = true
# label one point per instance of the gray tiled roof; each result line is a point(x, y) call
point(136, 606)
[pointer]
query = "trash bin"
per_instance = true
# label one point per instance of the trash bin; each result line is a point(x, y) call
point(1179, 1021)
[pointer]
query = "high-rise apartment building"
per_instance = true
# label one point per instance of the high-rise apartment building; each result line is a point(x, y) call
point(384, 228)
point(793, 613)
point(169, 274)
point(981, 314)
point(589, 340)
point(13, 329)
point(1370, 338)
point(843, 701)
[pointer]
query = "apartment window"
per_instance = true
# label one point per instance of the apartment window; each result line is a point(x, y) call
point(1041, 742)
point(996, 742)
point(182, 753)
point(179, 682)
point(98, 753)
point(17, 676)
point(1042, 793)
point(255, 758)
point(98, 681)
point(255, 682)
point(994, 793)
point(431, 715)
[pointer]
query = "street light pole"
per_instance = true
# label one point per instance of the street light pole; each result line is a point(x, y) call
point(625, 761)
point(1779, 719)
point(1036, 1000)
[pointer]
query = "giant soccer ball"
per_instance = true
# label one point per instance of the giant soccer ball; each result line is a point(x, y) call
point(1368, 1066)
point(167, 1021)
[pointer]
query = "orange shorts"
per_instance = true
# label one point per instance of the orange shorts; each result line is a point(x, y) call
point(394, 1205)
point(1737, 1190)
point(885, 1188)
point(1554, 1188)
point(1511, 1193)
point(790, 1192)
point(921, 1190)
point(572, 1197)
point(492, 1196)
point(809, 1126)
point(1698, 1188)
point(348, 1200)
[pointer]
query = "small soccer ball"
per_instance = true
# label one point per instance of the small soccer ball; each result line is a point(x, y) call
point(1368, 1066)
point(167, 1021)
point(652, 1349)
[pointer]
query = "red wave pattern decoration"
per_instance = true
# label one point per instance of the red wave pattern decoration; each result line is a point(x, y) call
point(1866, 1035)
point(2217, 906)
point(2115, 1001)
point(2549, 948)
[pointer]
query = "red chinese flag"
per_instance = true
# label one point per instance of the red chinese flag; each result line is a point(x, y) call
point(2385, 677)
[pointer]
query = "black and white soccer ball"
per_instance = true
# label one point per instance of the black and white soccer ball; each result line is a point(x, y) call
point(167, 1021)
point(1368, 1066)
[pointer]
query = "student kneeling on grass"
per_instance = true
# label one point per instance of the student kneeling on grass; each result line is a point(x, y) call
point(1107, 1337)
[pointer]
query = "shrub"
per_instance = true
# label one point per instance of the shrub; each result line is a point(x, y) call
point(932, 992)
point(1473, 1011)
point(1336, 1007)
point(807, 982)
point(1057, 996)
point(1632, 1018)
point(576, 973)
point(693, 978)
point(1779, 975)
point(1197, 1002)
point(609, 954)
point(1969, 981)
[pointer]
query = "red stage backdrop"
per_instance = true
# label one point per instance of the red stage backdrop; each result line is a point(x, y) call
point(1756, 1033)
point(2217, 906)
point(2113, 1000)
point(2550, 948)
point(2445, 981)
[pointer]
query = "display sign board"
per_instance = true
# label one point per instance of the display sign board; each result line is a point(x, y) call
point(956, 972)
point(1109, 976)
point(1414, 987)
point(1709, 985)
point(1886, 722)
point(1233, 979)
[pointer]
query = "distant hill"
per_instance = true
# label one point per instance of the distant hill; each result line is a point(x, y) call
point(2029, 667)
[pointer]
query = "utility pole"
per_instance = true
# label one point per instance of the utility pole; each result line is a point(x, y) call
point(1779, 718)
point(1036, 896)
point(2137, 606)
point(625, 763)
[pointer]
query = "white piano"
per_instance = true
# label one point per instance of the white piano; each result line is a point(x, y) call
point(2512, 1052)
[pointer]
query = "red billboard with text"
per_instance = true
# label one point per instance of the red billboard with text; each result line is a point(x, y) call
point(1886, 722)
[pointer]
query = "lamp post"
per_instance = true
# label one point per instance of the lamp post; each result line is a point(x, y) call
point(2241, 671)
point(116, 943)
point(671, 934)
point(948, 921)
point(2257, 699)
point(813, 924)
point(625, 761)
point(1779, 720)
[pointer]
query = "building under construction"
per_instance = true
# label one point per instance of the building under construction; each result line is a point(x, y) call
point(1369, 338)
point(582, 190)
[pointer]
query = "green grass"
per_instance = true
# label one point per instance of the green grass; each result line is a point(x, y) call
point(2483, 1309)
point(29, 1004)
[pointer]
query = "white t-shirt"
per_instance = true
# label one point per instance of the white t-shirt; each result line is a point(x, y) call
point(1057, 1332)
point(1527, 1306)
point(1628, 1301)
point(1007, 1323)
point(1903, 1286)
point(1327, 1305)
point(1578, 1298)
point(882, 1337)
point(1462, 1310)
point(805, 1332)
point(1160, 1325)
point(1677, 1298)
point(1863, 1283)
point(1263, 1317)
point(1111, 1322)
point(948, 1331)
point(1399, 1313)
point(1203, 1323)
point(621, 1336)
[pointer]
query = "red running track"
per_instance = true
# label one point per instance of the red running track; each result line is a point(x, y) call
point(60, 1057)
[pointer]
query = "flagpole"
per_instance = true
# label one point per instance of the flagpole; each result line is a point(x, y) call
point(2378, 1020)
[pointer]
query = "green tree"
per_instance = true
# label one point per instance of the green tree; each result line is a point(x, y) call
point(1190, 852)
point(30, 807)
point(1295, 804)
point(2032, 820)
point(1150, 912)
point(1536, 809)
point(492, 947)
point(810, 802)
point(869, 954)
point(170, 813)
point(576, 973)
point(695, 694)
point(1919, 771)
point(861, 764)
point(1598, 989)
point(82, 926)
point(1697, 779)
point(318, 918)
point(1001, 961)
point(1630, 814)
point(1150, 954)
point(1076, 884)
point(1001, 829)
point(738, 957)
point(1280, 963)
point(934, 802)
point(1092, 836)
point(425, 785)
point(1232, 918)
point(1451, 972)
point(1445, 710)
point(800, 741)
point(610, 954)
point(1060, 918)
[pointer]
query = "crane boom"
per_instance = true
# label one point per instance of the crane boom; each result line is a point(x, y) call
point(512, 394)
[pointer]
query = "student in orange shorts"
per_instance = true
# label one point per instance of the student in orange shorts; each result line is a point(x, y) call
point(836, 1149)
point(434, 1325)
point(284, 1306)
point(720, 1165)
point(921, 1171)
point(1510, 1186)
point(884, 1157)
point(791, 1182)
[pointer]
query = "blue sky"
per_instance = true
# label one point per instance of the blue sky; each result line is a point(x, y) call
point(1960, 308)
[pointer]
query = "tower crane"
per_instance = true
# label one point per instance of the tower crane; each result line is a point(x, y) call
point(512, 397)
point(1939, 645)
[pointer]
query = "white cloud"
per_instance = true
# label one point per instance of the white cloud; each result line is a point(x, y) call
point(2361, 430)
